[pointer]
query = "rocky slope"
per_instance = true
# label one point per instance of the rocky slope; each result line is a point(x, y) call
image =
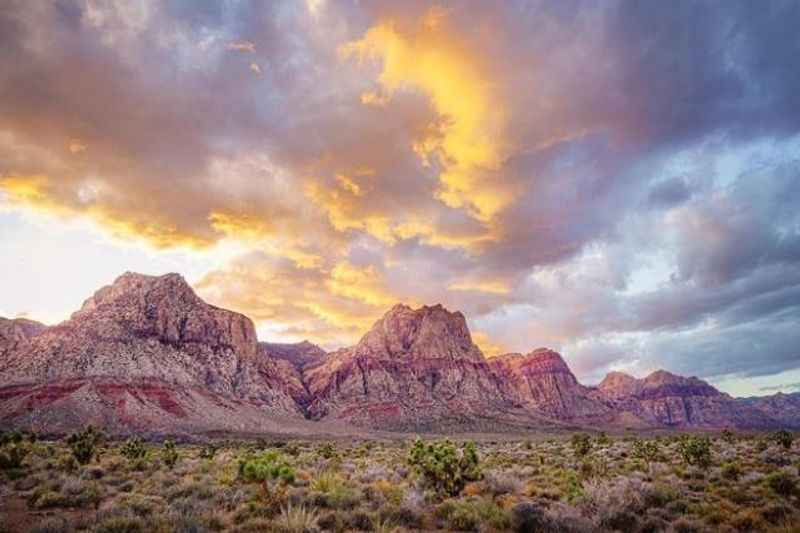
point(783, 408)
point(667, 400)
point(146, 354)
point(15, 331)
point(542, 381)
point(414, 370)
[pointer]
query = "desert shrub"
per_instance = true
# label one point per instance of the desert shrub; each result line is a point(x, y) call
point(499, 483)
point(728, 436)
point(169, 454)
point(297, 519)
point(121, 523)
point(135, 451)
point(581, 444)
point(695, 450)
point(783, 438)
point(330, 490)
point(527, 517)
point(761, 445)
point(646, 450)
point(731, 471)
point(327, 450)
point(443, 467)
point(51, 524)
point(781, 483)
point(12, 455)
point(614, 504)
point(85, 444)
point(209, 451)
point(602, 440)
point(265, 467)
point(471, 514)
point(11, 437)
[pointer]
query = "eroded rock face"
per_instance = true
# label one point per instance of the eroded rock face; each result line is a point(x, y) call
point(144, 329)
point(412, 370)
point(541, 380)
point(783, 408)
point(665, 399)
point(299, 354)
point(146, 354)
point(424, 333)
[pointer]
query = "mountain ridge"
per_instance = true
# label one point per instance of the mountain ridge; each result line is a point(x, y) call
point(145, 352)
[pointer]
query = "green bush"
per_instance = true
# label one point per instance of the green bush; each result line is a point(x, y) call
point(783, 438)
point(265, 467)
point(728, 436)
point(782, 483)
point(443, 467)
point(731, 471)
point(209, 451)
point(85, 444)
point(645, 450)
point(10, 437)
point(695, 450)
point(12, 455)
point(581, 444)
point(136, 453)
point(169, 454)
point(327, 450)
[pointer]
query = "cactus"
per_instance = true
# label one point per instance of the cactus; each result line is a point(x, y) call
point(169, 454)
point(696, 451)
point(443, 467)
point(85, 444)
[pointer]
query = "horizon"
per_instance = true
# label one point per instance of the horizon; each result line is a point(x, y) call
point(616, 182)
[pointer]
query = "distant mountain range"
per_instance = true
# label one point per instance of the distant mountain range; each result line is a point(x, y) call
point(146, 354)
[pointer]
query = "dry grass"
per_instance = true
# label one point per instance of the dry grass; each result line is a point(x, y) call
point(526, 485)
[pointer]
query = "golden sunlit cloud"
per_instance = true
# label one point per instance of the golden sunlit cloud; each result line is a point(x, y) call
point(487, 346)
point(242, 46)
point(468, 141)
point(331, 306)
point(360, 284)
point(76, 147)
point(37, 192)
point(487, 286)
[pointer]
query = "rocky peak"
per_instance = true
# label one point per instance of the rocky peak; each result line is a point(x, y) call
point(17, 330)
point(165, 308)
point(299, 354)
point(539, 361)
point(430, 332)
point(618, 384)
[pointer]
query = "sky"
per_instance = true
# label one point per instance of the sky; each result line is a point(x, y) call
point(619, 181)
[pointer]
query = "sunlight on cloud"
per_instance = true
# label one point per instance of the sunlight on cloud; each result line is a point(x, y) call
point(468, 141)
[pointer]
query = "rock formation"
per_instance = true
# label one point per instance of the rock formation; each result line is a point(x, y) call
point(542, 381)
point(667, 400)
point(146, 354)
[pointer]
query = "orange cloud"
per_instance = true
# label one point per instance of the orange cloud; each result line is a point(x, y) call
point(487, 346)
point(331, 306)
point(468, 141)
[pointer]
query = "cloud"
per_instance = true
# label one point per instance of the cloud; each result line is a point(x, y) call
point(467, 138)
point(615, 181)
point(242, 46)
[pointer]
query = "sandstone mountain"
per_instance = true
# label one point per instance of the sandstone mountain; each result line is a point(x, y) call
point(146, 354)
point(414, 370)
point(665, 399)
point(15, 331)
